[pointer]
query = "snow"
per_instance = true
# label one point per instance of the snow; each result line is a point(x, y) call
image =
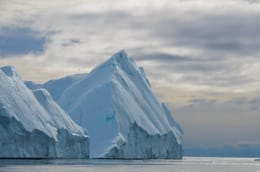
point(9, 71)
point(58, 117)
point(62, 84)
point(116, 104)
point(31, 85)
point(33, 125)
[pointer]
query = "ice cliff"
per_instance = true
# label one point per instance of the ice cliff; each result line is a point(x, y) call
point(116, 104)
point(32, 125)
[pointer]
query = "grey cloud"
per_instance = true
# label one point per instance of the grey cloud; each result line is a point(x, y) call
point(201, 67)
point(211, 122)
point(163, 58)
point(71, 42)
point(15, 41)
point(199, 101)
point(199, 71)
point(227, 33)
point(222, 38)
point(111, 16)
point(255, 104)
point(252, 1)
point(252, 104)
point(219, 80)
point(114, 20)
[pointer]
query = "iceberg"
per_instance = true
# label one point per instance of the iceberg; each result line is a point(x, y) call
point(116, 104)
point(32, 125)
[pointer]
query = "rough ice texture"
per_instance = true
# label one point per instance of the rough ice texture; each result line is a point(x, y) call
point(117, 106)
point(141, 145)
point(32, 125)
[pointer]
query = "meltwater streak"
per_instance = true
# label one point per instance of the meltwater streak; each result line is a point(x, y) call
point(188, 164)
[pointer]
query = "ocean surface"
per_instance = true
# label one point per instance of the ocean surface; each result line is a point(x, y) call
point(188, 164)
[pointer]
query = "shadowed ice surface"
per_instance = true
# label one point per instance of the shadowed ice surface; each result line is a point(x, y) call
point(188, 164)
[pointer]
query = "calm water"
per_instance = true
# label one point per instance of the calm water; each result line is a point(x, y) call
point(188, 164)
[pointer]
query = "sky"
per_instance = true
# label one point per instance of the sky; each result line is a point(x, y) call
point(202, 57)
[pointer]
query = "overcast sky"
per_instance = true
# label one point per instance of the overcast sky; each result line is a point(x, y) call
point(202, 57)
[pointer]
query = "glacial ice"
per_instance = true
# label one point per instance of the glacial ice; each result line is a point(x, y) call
point(116, 104)
point(32, 125)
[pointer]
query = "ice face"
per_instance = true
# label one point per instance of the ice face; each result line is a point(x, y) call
point(9, 71)
point(33, 125)
point(109, 101)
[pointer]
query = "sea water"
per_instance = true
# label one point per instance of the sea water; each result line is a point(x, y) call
point(188, 164)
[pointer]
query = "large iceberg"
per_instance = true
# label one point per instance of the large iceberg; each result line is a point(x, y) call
point(32, 125)
point(117, 106)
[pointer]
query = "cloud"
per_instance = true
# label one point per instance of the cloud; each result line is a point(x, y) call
point(15, 41)
point(252, 1)
point(255, 104)
point(200, 44)
point(213, 123)
point(163, 57)
point(227, 33)
point(71, 42)
point(180, 29)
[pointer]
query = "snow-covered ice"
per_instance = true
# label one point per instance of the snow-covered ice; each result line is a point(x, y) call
point(116, 104)
point(32, 125)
